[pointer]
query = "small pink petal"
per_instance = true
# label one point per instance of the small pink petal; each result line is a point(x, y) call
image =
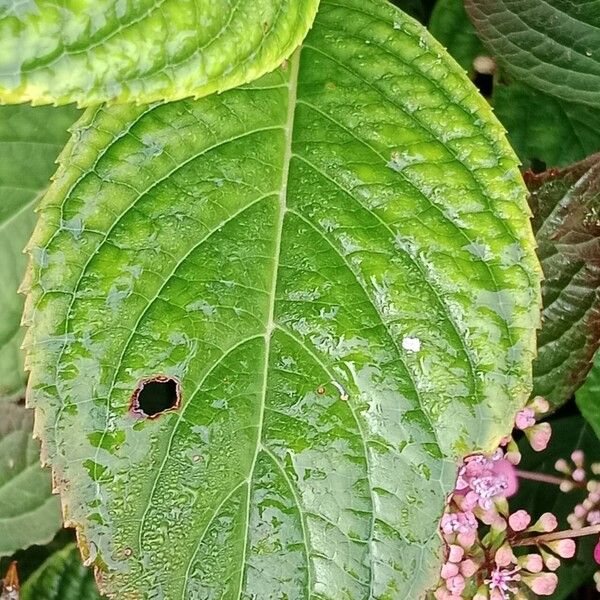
point(504, 556)
point(542, 584)
point(468, 567)
point(519, 521)
point(449, 570)
point(525, 418)
point(597, 552)
point(455, 553)
point(539, 436)
point(532, 563)
point(456, 584)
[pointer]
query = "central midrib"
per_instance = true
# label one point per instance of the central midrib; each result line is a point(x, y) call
point(293, 65)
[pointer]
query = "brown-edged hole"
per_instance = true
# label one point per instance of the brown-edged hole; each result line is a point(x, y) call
point(154, 396)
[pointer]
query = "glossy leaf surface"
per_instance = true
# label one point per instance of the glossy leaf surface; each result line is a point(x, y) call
point(29, 513)
point(30, 140)
point(336, 264)
point(552, 45)
point(566, 205)
point(91, 51)
point(61, 577)
point(588, 397)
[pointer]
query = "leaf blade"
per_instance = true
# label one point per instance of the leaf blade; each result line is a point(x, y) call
point(331, 288)
point(524, 37)
point(30, 140)
point(29, 513)
point(99, 51)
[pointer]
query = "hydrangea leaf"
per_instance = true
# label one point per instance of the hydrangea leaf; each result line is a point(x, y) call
point(61, 577)
point(91, 51)
point(30, 140)
point(588, 397)
point(329, 277)
point(29, 513)
point(566, 205)
point(545, 129)
point(552, 45)
point(451, 26)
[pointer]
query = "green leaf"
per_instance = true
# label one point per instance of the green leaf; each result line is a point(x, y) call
point(566, 205)
point(546, 129)
point(337, 265)
point(588, 397)
point(61, 577)
point(93, 51)
point(450, 25)
point(29, 513)
point(30, 140)
point(552, 45)
point(569, 434)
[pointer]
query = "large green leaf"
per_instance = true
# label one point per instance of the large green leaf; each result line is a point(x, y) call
point(337, 265)
point(91, 51)
point(588, 397)
point(552, 45)
point(546, 129)
point(30, 140)
point(566, 205)
point(61, 577)
point(29, 513)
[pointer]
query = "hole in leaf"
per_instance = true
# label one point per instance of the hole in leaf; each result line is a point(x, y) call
point(156, 395)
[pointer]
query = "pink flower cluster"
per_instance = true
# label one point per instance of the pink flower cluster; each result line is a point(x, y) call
point(481, 533)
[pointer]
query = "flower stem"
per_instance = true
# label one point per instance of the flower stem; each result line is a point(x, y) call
point(558, 535)
point(533, 476)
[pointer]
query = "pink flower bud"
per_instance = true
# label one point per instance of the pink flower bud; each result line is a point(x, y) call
point(455, 553)
point(525, 418)
point(539, 436)
point(504, 556)
point(466, 540)
point(594, 517)
point(542, 584)
point(564, 548)
point(562, 466)
point(456, 584)
point(579, 511)
point(578, 474)
point(540, 405)
point(551, 561)
point(519, 521)
point(468, 567)
point(578, 457)
point(597, 552)
point(531, 562)
point(449, 570)
point(546, 523)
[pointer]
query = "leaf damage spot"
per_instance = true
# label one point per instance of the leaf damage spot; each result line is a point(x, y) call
point(154, 396)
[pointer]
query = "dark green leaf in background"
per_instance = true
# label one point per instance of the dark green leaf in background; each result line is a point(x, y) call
point(552, 45)
point(337, 264)
point(30, 140)
point(450, 25)
point(566, 209)
point(588, 397)
point(61, 577)
point(547, 130)
point(29, 513)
